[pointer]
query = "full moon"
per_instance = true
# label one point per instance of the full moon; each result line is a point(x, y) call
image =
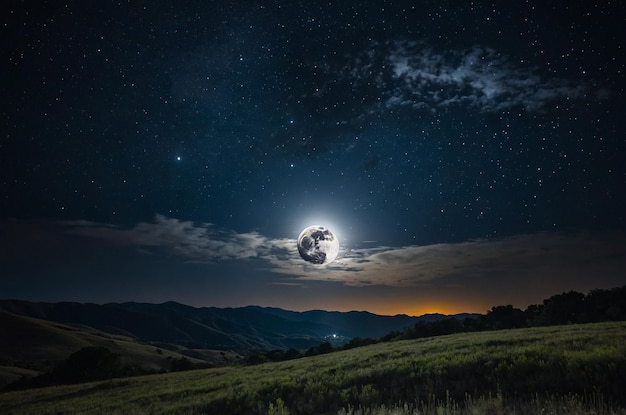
point(318, 245)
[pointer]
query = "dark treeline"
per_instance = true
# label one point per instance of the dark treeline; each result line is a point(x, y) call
point(567, 308)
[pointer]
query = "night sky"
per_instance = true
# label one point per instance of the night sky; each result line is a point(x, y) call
point(466, 154)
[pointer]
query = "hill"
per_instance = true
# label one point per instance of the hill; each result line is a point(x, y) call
point(566, 369)
point(173, 325)
point(30, 346)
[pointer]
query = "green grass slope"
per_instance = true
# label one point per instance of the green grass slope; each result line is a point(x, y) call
point(506, 370)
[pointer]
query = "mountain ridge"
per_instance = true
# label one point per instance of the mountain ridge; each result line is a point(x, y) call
point(231, 328)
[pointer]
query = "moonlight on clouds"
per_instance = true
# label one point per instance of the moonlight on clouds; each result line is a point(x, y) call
point(318, 245)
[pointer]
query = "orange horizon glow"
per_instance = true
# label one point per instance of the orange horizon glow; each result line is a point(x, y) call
point(426, 309)
point(412, 309)
point(419, 308)
point(411, 305)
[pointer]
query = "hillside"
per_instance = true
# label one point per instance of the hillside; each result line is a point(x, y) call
point(30, 346)
point(566, 369)
point(237, 329)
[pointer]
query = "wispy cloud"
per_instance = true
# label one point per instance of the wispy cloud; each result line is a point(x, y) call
point(414, 75)
point(195, 241)
point(536, 257)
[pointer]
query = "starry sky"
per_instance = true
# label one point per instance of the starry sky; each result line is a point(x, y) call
point(466, 154)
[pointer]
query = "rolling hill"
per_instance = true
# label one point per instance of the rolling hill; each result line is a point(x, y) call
point(30, 346)
point(577, 368)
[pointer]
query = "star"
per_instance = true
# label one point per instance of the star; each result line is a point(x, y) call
point(482, 143)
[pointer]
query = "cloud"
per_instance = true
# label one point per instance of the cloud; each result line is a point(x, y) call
point(195, 241)
point(411, 74)
point(530, 257)
point(538, 259)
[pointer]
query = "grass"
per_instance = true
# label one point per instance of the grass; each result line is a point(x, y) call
point(566, 369)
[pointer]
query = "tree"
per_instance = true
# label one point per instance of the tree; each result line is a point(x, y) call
point(504, 317)
point(533, 314)
point(447, 326)
point(275, 355)
point(256, 359)
point(89, 363)
point(563, 308)
point(181, 364)
point(603, 305)
point(325, 348)
point(358, 342)
point(292, 354)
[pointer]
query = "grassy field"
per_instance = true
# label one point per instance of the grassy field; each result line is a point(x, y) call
point(565, 369)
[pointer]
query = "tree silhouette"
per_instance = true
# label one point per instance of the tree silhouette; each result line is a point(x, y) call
point(504, 317)
point(563, 308)
point(89, 363)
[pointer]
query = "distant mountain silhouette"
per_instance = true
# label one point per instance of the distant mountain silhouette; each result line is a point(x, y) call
point(171, 324)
